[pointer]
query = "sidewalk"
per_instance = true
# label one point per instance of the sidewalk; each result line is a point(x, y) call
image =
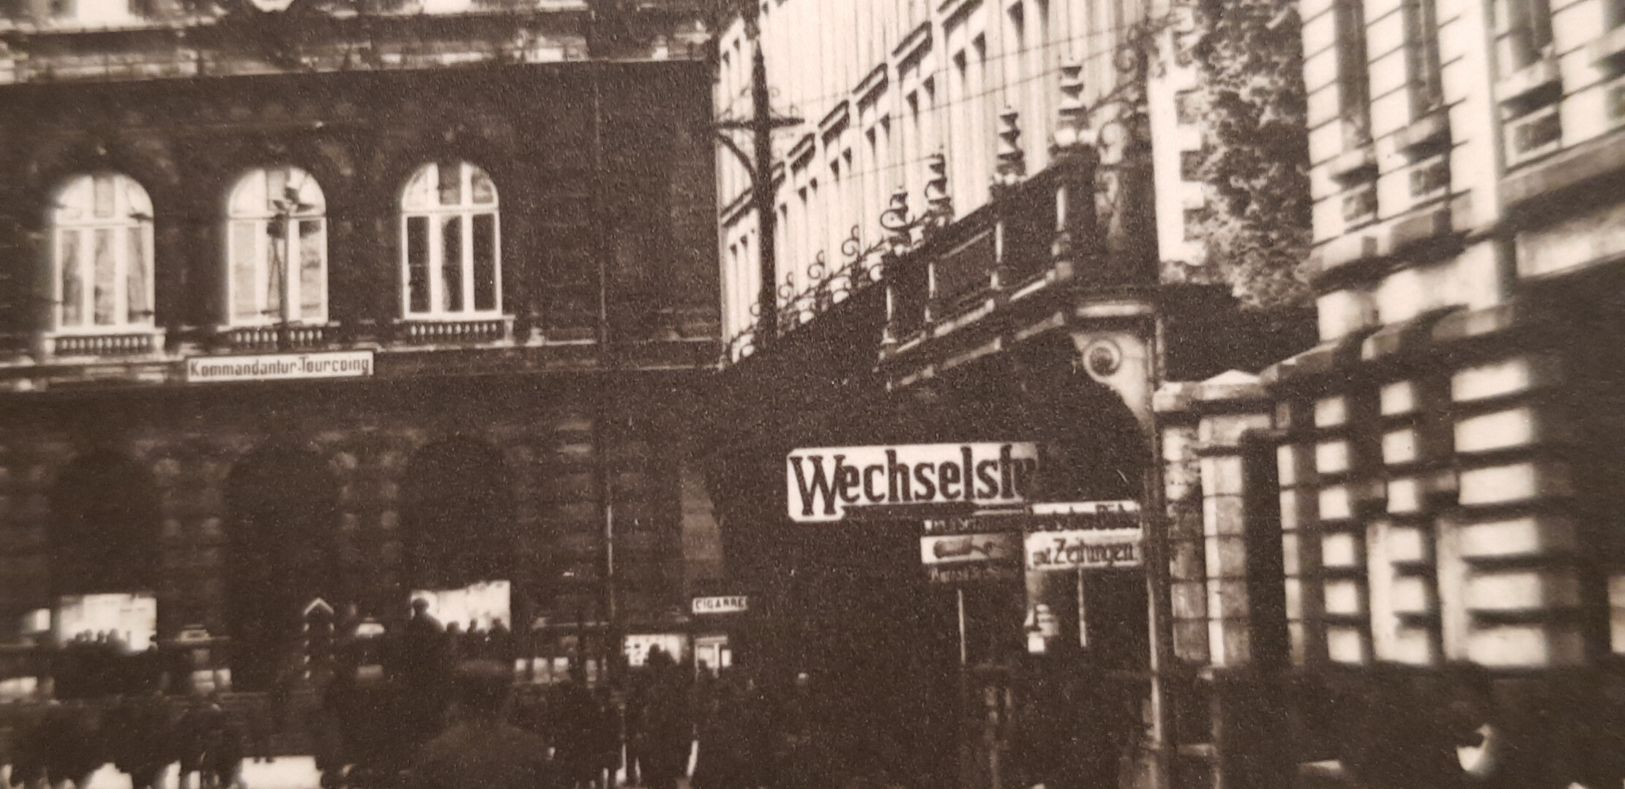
point(283, 772)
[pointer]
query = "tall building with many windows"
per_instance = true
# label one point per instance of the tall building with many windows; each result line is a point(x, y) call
point(888, 96)
point(981, 215)
point(336, 302)
point(1441, 466)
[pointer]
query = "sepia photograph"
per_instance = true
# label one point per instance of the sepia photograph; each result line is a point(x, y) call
point(812, 393)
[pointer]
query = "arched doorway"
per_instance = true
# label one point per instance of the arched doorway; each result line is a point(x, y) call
point(282, 552)
point(104, 527)
point(104, 569)
point(458, 527)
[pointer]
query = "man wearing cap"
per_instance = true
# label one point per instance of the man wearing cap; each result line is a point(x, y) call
point(481, 749)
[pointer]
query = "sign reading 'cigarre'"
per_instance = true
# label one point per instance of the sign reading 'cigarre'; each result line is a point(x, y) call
point(824, 483)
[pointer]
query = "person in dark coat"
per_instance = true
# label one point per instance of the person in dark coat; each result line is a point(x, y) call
point(499, 643)
point(28, 756)
point(720, 724)
point(801, 751)
point(138, 731)
point(482, 750)
point(606, 742)
point(637, 705)
point(189, 736)
point(224, 757)
point(1397, 740)
point(71, 747)
point(573, 716)
point(667, 729)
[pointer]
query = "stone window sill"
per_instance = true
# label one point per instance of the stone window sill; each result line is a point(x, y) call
point(1608, 46)
point(1433, 128)
point(1528, 81)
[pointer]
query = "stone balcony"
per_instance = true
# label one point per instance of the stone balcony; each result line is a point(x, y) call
point(458, 332)
point(122, 344)
point(268, 337)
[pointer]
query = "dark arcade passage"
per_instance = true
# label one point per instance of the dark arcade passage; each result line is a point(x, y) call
point(282, 552)
point(458, 523)
point(104, 529)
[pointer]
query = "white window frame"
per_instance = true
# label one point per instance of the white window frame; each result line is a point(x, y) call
point(126, 215)
point(464, 212)
point(292, 276)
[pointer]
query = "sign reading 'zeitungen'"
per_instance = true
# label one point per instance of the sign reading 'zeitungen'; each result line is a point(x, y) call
point(282, 366)
point(824, 483)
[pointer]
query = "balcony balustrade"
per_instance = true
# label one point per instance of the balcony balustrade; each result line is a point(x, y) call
point(429, 332)
point(265, 338)
point(97, 345)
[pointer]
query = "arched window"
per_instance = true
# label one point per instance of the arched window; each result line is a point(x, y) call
point(276, 249)
point(101, 254)
point(450, 265)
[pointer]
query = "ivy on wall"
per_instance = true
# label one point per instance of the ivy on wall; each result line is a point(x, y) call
point(1257, 226)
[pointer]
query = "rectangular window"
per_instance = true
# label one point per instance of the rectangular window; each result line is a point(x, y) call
point(451, 263)
point(913, 148)
point(1195, 219)
point(1039, 118)
point(1353, 73)
point(483, 191)
point(1190, 164)
point(961, 159)
point(1422, 55)
point(245, 304)
point(103, 196)
point(485, 263)
point(135, 282)
point(275, 240)
point(105, 279)
point(451, 184)
point(1526, 27)
point(276, 186)
point(73, 297)
point(311, 283)
point(1188, 106)
point(417, 264)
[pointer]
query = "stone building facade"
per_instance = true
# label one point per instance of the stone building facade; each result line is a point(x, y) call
point(497, 217)
point(1437, 475)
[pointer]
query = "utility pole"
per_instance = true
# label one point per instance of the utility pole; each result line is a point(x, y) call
point(759, 166)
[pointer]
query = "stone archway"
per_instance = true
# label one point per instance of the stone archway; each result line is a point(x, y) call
point(458, 524)
point(282, 551)
point(104, 526)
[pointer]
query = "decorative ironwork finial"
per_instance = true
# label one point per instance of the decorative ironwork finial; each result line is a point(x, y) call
point(939, 204)
point(894, 219)
point(1012, 161)
point(1072, 131)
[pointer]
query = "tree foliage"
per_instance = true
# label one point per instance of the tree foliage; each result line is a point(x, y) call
point(1253, 103)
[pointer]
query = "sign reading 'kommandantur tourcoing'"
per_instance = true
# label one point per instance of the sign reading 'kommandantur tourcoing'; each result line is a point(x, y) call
point(824, 483)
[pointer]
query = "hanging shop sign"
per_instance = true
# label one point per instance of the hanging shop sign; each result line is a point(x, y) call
point(824, 484)
point(721, 604)
point(281, 366)
point(970, 548)
point(1085, 536)
point(968, 558)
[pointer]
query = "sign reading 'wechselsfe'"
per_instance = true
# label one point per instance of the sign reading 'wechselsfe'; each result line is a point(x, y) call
point(281, 366)
point(824, 483)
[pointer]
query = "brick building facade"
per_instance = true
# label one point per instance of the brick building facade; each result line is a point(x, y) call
point(503, 211)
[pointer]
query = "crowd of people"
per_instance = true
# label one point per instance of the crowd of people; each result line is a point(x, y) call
point(142, 736)
point(660, 720)
point(435, 697)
